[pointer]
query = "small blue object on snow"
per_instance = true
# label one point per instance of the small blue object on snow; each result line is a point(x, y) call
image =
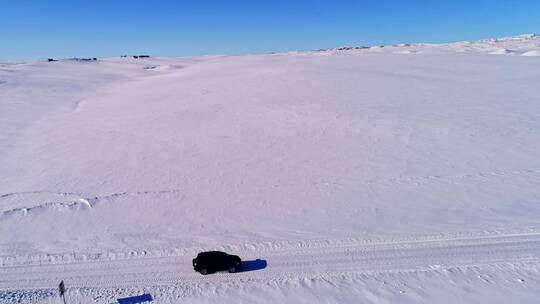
point(137, 299)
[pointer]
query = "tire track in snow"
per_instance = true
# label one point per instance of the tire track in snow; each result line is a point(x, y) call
point(285, 263)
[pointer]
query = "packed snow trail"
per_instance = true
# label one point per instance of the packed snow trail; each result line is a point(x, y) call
point(282, 264)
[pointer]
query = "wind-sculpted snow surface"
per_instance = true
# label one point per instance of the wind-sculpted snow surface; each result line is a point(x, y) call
point(405, 173)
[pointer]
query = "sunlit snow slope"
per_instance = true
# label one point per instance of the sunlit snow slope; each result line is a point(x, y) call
point(396, 173)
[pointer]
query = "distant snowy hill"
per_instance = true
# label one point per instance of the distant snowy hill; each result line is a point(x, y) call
point(391, 174)
point(524, 45)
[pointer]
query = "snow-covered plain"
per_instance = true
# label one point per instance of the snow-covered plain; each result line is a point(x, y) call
point(406, 173)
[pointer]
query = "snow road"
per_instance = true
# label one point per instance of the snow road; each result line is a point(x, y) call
point(306, 262)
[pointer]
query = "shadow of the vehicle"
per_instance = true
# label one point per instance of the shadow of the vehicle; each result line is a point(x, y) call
point(136, 299)
point(252, 265)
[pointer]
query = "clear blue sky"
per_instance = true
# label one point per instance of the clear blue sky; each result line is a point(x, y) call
point(31, 30)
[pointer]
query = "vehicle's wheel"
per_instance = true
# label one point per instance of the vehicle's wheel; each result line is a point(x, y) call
point(204, 271)
point(232, 269)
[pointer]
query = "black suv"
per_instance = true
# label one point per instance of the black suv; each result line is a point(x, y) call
point(212, 261)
